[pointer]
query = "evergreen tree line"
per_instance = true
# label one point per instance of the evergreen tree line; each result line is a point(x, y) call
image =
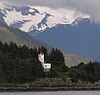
point(85, 72)
point(20, 64)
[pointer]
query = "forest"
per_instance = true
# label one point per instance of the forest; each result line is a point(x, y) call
point(20, 64)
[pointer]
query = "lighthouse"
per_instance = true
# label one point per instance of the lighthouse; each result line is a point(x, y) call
point(45, 65)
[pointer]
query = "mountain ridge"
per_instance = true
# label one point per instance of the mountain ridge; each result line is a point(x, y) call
point(40, 17)
point(8, 34)
point(36, 20)
point(21, 38)
point(82, 38)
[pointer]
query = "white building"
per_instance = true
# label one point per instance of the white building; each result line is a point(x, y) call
point(41, 57)
point(46, 66)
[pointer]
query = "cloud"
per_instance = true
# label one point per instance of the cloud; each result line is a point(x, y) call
point(49, 3)
point(91, 7)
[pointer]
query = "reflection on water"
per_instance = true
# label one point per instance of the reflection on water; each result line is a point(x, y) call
point(53, 93)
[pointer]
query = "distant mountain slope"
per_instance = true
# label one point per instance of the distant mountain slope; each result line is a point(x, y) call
point(72, 60)
point(9, 34)
point(82, 37)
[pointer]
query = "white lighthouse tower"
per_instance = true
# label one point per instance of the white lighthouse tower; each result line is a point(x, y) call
point(46, 66)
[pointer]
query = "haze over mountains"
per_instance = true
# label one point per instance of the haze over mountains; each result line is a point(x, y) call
point(70, 31)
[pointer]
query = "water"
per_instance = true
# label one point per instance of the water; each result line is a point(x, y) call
point(53, 93)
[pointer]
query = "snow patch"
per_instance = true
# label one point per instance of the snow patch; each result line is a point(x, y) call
point(31, 10)
point(45, 18)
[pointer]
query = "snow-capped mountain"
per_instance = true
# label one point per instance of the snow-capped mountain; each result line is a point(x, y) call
point(68, 30)
point(30, 18)
point(82, 38)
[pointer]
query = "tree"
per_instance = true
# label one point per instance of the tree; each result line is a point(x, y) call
point(2, 75)
point(56, 57)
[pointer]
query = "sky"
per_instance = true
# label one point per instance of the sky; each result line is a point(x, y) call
point(90, 7)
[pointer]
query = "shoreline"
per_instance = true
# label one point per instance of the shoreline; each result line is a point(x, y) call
point(19, 89)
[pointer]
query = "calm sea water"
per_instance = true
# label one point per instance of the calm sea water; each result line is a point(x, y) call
point(53, 93)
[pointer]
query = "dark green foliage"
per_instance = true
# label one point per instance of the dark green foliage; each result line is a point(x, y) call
point(52, 73)
point(20, 64)
point(2, 75)
point(22, 70)
point(42, 49)
point(85, 72)
point(56, 57)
